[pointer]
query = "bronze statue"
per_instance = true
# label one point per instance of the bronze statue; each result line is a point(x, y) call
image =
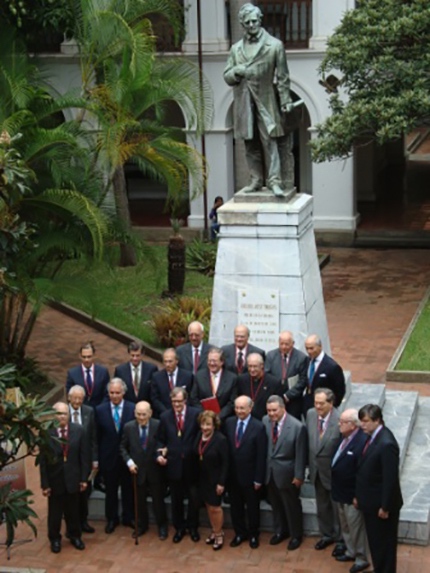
point(258, 71)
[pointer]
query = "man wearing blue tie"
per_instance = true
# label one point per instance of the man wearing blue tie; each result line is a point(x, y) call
point(246, 438)
point(111, 418)
point(139, 451)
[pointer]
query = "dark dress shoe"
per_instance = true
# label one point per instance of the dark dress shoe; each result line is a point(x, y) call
point(195, 535)
point(179, 535)
point(87, 528)
point(339, 549)
point(237, 540)
point(56, 546)
point(162, 533)
point(294, 543)
point(359, 567)
point(253, 542)
point(77, 543)
point(110, 526)
point(277, 538)
point(323, 543)
point(344, 558)
point(140, 531)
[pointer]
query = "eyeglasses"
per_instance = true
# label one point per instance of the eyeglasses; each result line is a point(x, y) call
point(345, 421)
point(177, 401)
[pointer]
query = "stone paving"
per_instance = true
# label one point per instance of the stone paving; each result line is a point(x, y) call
point(371, 296)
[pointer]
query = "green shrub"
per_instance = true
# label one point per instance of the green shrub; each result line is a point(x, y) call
point(201, 257)
point(170, 321)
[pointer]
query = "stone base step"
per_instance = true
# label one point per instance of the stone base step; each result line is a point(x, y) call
point(362, 394)
point(400, 412)
point(415, 482)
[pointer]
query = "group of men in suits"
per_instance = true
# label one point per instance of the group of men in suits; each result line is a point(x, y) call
point(270, 394)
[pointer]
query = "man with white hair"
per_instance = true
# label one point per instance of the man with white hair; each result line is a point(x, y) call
point(343, 478)
point(84, 416)
point(193, 355)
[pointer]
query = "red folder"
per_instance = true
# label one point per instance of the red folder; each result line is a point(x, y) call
point(211, 404)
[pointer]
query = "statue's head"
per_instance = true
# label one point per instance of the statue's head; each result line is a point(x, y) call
point(249, 10)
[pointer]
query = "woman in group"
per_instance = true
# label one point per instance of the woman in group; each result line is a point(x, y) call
point(212, 451)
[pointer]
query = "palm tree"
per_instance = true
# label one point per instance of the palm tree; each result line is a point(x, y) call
point(127, 88)
point(45, 217)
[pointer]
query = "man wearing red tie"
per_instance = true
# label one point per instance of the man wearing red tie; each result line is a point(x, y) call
point(93, 378)
point(235, 354)
point(193, 355)
point(286, 463)
point(290, 366)
point(177, 433)
point(63, 476)
point(322, 423)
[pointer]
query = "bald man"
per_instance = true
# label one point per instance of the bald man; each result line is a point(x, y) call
point(235, 354)
point(258, 385)
point(139, 449)
point(289, 366)
point(63, 475)
point(323, 372)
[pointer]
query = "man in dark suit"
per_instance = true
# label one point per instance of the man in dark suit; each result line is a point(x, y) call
point(163, 382)
point(286, 463)
point(290, 367)
point(343, 477)
point(136, 373)
point(378, 493)
point(84, 416)
point(139, 451)
point(323, 372)
point(322, 423)
point(92, 377)
point(247, 444)
point(63, 475)
point(193, 354)
point(177, 434)
point(235, 354)
point(258, 385)
point(111, 417)
point(215, 382)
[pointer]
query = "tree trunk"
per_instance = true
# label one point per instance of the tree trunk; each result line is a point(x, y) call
point(127, 251)
point(176, 265)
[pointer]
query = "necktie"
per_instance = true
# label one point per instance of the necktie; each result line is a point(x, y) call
point(64, 446)
point(136, 380)
point(321, 426)
point(240, 431)
point(171, 382)
point(143, 437)
point(75, 417)
point(366, 445)
point(196, 360)
point(284, 367)
point(339, 451)
point(89, 381)
point(240, 362)
point(180, 421)
point(311, 371)
point(116, 418)
point(275, 432)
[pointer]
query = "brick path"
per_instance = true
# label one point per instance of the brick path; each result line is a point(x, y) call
point(371, 296)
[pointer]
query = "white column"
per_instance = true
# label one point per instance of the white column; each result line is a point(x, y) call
point(213, 26)
point(325, 17)
point(333, 192)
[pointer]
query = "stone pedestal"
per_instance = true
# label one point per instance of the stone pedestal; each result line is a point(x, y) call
point(267, 264)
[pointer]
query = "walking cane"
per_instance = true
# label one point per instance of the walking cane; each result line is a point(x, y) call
point(136, 523)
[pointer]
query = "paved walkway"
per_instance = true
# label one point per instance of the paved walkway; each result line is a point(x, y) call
point(371, 296)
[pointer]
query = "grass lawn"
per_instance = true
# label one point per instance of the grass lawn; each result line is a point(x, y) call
point(126, 297)
point(416, 355)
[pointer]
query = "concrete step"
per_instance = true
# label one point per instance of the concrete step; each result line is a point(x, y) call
point(415, 482)
point(400, 412)
point(361, 394)
point(408, 417)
